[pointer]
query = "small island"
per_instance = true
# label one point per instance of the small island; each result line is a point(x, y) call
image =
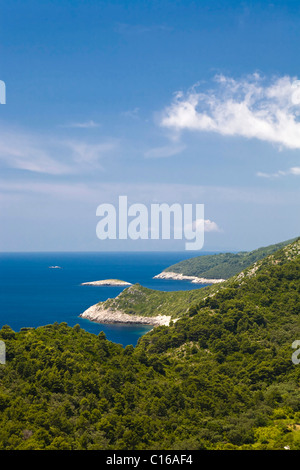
point(106, 282)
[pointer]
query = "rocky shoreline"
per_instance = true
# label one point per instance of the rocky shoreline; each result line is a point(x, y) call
point(182, 277)
point(99, 314)
point(106, 282)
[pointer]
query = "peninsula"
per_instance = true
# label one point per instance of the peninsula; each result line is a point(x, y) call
point(138, 304)
point(183, 277)
point(99, 314)
point(211, 269)
point(106, 282)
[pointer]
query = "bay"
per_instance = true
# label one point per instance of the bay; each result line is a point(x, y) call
point(32, 294)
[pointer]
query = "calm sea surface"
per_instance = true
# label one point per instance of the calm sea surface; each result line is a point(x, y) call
point(33, 295)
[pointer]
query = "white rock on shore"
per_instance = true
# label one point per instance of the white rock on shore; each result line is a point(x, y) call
point(99, 314)
point(182, 277)
point(106, 282)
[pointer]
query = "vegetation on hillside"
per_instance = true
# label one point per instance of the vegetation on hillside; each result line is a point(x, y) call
point(223, 265)
point(221, 377)
point(139, 300)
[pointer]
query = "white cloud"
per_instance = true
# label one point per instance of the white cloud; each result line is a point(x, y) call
point(208, 225)
point(251, 108)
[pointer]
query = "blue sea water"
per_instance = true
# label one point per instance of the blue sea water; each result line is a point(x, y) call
point(32, 294)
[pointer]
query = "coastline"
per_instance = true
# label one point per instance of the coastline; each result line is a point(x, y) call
point(98, 314)
point(183, 277)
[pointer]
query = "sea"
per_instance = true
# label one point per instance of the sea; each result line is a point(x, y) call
point(33, 294)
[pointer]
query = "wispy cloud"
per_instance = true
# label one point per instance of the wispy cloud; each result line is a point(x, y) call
point(82, 125)
point(131, 113)
point(164, 151)
point(86, 153)
point(49, 155)
point(26, 152)
point(252, 108)
point(291, 171)
point(99, 192)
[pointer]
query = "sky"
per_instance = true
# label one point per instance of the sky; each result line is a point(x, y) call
point(189, 102)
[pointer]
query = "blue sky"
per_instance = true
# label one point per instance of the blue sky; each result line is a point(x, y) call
point(162, 101)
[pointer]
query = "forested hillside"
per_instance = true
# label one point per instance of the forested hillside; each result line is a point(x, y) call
point(221, 377)
point(223, 265)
